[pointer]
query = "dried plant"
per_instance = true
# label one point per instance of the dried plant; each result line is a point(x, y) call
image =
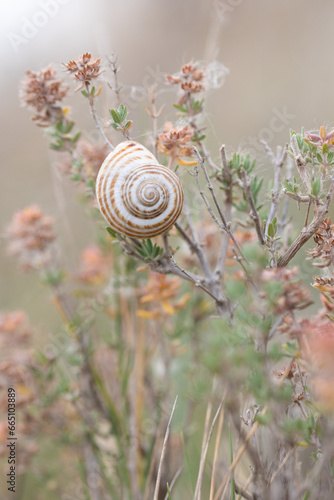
point(207, 315)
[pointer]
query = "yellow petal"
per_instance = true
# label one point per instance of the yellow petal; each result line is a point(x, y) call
point(144, 314)
point(186, 163)
point(148, 298)
point(167, 307)
point(24, 390)
point(98, 91)
point(322, 132)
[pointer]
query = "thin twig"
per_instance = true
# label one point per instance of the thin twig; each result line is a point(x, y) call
point(221, 223)
point(227, 176)
point(278, 163)
point(281, 465)
point(154, 114)
point(254, 215)
point(197, 282)
point(309, 231)
point(197, 249)
point(301, 163)
point(96, 120)
point(295, 196)
point(245, 486)
point(242, 492)
point(163, 451)
point(114, 68)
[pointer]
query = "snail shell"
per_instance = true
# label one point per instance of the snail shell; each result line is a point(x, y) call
point(137, 196)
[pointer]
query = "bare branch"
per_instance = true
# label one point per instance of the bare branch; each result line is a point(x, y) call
point(220, 301)
point(301, 163)
point(114, 68)
point(96, 120)
point(278, 163)
point(221, 223)
point(254, 213)
point(309, 231)
point(227, 176)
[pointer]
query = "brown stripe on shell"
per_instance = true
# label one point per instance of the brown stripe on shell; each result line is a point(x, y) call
point(113, 165)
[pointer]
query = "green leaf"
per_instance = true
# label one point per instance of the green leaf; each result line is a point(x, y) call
point(271, 230)
point(116, 126)
point(75, 137)
point(315, 187)
point(325, 148)
point(122, 112)
point(92, 92)
point(197, 105)
point(127, 125)
point(111, 232)
point(330, 157)
point(149, 245)
point(115, 115)
point(183, 108)
point(319, 157)
point(84, 93)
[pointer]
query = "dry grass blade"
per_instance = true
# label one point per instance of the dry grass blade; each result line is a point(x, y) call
point(198, 488)
point(237, 458)
point(176, 475)
point(163, 451)
point(281, 465)
point(215, 456)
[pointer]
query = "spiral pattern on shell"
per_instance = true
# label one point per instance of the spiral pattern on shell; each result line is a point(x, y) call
point(137, 196)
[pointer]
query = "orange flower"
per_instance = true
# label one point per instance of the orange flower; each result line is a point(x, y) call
point(161, 291)
point(94, 266)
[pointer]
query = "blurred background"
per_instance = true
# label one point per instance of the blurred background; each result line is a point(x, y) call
point(280, 77)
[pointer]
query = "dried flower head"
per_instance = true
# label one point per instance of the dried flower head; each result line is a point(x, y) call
point(321, 138)
point(161, 291)
point(324, 238)
point(84, 69)
point(94, 266)
point(14, 328)
point(175, 142)
point(326, 286)
point(30, 235)
point(42, 91)
point(191, 80)
point(293, 295)
point(89, 158)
